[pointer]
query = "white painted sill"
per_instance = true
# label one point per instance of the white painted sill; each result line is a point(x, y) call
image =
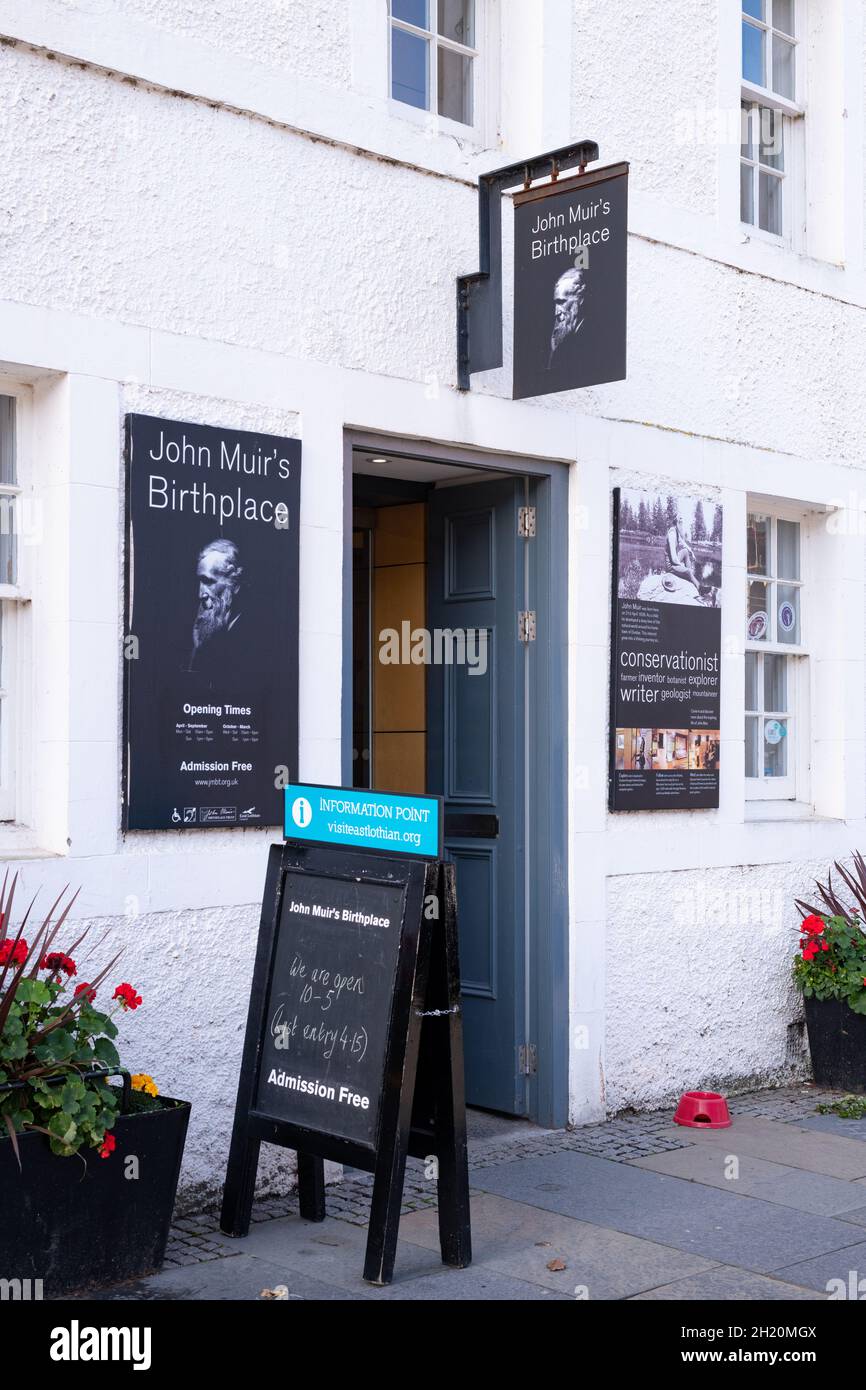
point(776, 811)
point(21, 842)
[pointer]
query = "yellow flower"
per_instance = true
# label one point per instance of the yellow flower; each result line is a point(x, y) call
point(142, 1082)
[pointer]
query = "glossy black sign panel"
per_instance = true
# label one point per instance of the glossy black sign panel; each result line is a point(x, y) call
point(211, 642)
point(665, 740)
point(570, 283)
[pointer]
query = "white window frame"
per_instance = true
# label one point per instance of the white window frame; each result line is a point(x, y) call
point(793, 176)
point(484, 55)
point(794, 786)
point(15, 664)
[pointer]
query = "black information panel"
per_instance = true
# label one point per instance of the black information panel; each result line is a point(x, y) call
point(354, 1040)
point(329, 1004)
point(570, 263)
point(211, 642)
point(665, 739)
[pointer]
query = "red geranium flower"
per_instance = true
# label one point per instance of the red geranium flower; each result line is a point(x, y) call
point(56, 961)
point(810, 951)
point(812, 924)
point(85, 989)
point(127, 996)
point(14, 951)
point(109, 1144)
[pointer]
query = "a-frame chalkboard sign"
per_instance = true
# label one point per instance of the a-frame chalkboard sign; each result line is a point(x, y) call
point(353, 1047)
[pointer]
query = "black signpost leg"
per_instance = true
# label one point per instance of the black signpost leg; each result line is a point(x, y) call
point(453, 1184)
point(390, 1169)
point(240, 1183)
point(311, 1187)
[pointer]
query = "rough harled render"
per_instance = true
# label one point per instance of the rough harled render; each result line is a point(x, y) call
point(214, 213)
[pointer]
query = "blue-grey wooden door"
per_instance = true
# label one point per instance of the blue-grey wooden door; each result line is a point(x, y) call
point(476, 760)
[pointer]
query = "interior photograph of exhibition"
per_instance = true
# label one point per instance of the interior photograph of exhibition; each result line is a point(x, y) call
point(432, 667)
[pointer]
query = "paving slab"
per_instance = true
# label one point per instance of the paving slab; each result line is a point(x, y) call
point(757, 1177)
point(514, 1239)
point(792, 1145)
point(472, 1285)
point(239, 1278)
point(834, 1124)
point(720, 1226)
point(725, 1283)
point(858, 1216)
point(841, 1264)
point(331, 1251)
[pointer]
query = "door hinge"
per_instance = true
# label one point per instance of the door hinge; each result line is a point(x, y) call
point(526, 626)
point(527, 1060)
point(526, 522)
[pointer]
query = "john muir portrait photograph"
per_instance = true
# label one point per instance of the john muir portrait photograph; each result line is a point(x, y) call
point(670, 548)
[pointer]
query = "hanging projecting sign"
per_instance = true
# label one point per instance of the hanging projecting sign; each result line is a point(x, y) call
point(211, 643)
point(665, 651)
point(570, 260)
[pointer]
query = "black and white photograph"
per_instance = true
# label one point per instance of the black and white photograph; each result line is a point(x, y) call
point(670, 548)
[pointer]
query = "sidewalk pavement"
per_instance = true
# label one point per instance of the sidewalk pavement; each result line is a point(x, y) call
point(637, 1208)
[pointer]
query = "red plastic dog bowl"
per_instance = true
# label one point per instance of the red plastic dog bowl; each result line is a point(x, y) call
point(702, 1110)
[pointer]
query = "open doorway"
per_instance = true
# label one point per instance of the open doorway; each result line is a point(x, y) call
point(453, 671)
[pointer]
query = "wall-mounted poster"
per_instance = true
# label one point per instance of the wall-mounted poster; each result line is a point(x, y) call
point(665, 651)
point(570, 262)
point(211, 642)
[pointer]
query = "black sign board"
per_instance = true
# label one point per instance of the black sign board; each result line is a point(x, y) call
point(353, 1047)
point(570, 262)
point(211, 644)
point(665, 651)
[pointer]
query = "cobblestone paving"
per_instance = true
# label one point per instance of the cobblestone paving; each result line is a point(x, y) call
point(621, 1138)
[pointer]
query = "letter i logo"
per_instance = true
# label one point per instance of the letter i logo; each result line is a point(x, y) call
point(302, 812)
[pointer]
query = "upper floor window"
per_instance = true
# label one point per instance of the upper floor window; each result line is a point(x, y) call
point(770, 82)
point(433, 56)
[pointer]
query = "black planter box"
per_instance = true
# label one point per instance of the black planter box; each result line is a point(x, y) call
point(837, 1043)
point(75, 1228)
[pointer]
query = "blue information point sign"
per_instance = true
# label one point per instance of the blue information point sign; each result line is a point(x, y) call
point(386, 821)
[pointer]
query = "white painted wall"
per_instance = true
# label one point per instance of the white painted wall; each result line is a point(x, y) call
point(176, 241)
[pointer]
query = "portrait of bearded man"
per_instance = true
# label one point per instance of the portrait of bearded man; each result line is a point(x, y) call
point(218, 629)
point(569, 294)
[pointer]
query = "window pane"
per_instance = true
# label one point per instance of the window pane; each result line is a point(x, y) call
point(788, 617)
point(409, 68)
point(7, 439)
point(758, 621)
point(747, 194)
point(8, 541)
point(783, 67)
point(753, 727)
point(412, 11)
point(752, 680)
point(771, 137)
point(455, 86)
point(775, 747)
point(753, 54)
point(746, 140)
point(776, 684)
point(757, 544)
point(783, 15)
point(456, 21)
point(770, 203)
point(754, 7)
point(788, 549)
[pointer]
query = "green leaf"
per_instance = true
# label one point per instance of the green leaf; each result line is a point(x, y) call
point(106, 1052)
